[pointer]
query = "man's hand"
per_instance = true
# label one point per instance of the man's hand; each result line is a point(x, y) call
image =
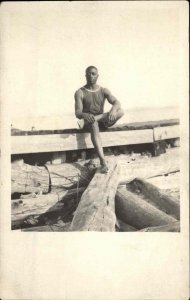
point(112, 115)
point(89, 118)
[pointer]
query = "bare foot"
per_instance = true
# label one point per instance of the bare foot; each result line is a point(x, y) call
point(104, 169)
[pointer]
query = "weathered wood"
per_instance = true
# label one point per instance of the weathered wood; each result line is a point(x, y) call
point(175, 142)
point(35, 179)
point(74, 141)
point(29, 179)
point(49, 228)
point(159, 147)
point(166, 132)
point(96, 210)
point(83, 155)
point(116, 127)
point(156, 197)
point(138, 213)
point(122, 226)
point(23, 208)
point(58, 158)
point(173, 227)
point(146, 168)
point(69, 175)
point(18, 162)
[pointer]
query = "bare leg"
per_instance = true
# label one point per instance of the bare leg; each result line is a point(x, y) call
point(101, 117)
point(96, 140)
point(104, 117)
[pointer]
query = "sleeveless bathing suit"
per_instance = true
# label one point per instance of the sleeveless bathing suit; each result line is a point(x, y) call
point(93, 101)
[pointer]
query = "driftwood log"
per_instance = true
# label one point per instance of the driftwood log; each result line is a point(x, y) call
point(156, 197)
point(173, 227)
point(34, 179)
point(96, 210)
point(122, 226)
point(31, 211)
point(53, 227)
point(137, 212)
point(21, 209)
point(29, 179)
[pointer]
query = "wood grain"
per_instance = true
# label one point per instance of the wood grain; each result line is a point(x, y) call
point(75, 141)
point(166, 132)
point(173, 227)
point(156, 197)
point(96, 210)
point(136, 212)
point(51, 203)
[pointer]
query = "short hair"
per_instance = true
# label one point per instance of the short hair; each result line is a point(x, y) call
point(91, 67)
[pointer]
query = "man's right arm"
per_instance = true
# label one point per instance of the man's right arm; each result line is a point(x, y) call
point(79, 108)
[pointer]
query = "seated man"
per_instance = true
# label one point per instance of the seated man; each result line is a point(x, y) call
point(89, 106)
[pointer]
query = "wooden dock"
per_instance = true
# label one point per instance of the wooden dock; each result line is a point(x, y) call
point(74, 139)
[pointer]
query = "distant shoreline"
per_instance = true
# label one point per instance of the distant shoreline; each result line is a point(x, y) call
point(69, 121)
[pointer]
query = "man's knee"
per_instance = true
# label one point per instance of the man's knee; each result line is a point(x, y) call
point(92, 126)
point(120, 113)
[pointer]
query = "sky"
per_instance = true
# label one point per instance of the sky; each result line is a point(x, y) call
point(136, 46)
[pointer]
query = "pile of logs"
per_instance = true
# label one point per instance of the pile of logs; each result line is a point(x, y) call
point(78, 197)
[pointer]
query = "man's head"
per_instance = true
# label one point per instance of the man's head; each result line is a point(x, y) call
point(91, 75)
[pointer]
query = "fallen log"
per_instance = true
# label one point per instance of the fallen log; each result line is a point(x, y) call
point(29, 179)
point(54, 178)
point(54, 227)
point(69, 175)
point(96, 210)
point(35, 179)
point(173, 227)
point(156, 197)
point(21, 209)
point(122, 226)
point(138, 213)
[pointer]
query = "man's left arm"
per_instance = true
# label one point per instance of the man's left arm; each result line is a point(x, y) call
point(115, 104)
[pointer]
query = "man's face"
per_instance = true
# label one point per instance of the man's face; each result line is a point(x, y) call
point(92, 76)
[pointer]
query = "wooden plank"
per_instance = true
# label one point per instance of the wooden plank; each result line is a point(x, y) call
point(75, 141)
point(116, 127)
point(167, 132)
point(96, 210)
point(147, 168)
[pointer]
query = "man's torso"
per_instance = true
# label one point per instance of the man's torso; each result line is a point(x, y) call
point(93, 101)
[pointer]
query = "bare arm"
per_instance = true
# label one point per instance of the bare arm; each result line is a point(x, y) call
point(79, 108)
point(114, 102)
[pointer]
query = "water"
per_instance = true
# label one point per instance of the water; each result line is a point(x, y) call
point(66, 121)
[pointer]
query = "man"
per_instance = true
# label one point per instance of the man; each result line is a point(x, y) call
point(89, 106)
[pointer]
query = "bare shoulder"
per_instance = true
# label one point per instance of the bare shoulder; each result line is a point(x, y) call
point(106, 92)
point(78, 93)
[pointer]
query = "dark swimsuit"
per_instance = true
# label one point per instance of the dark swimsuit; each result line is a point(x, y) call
point(93, 103)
